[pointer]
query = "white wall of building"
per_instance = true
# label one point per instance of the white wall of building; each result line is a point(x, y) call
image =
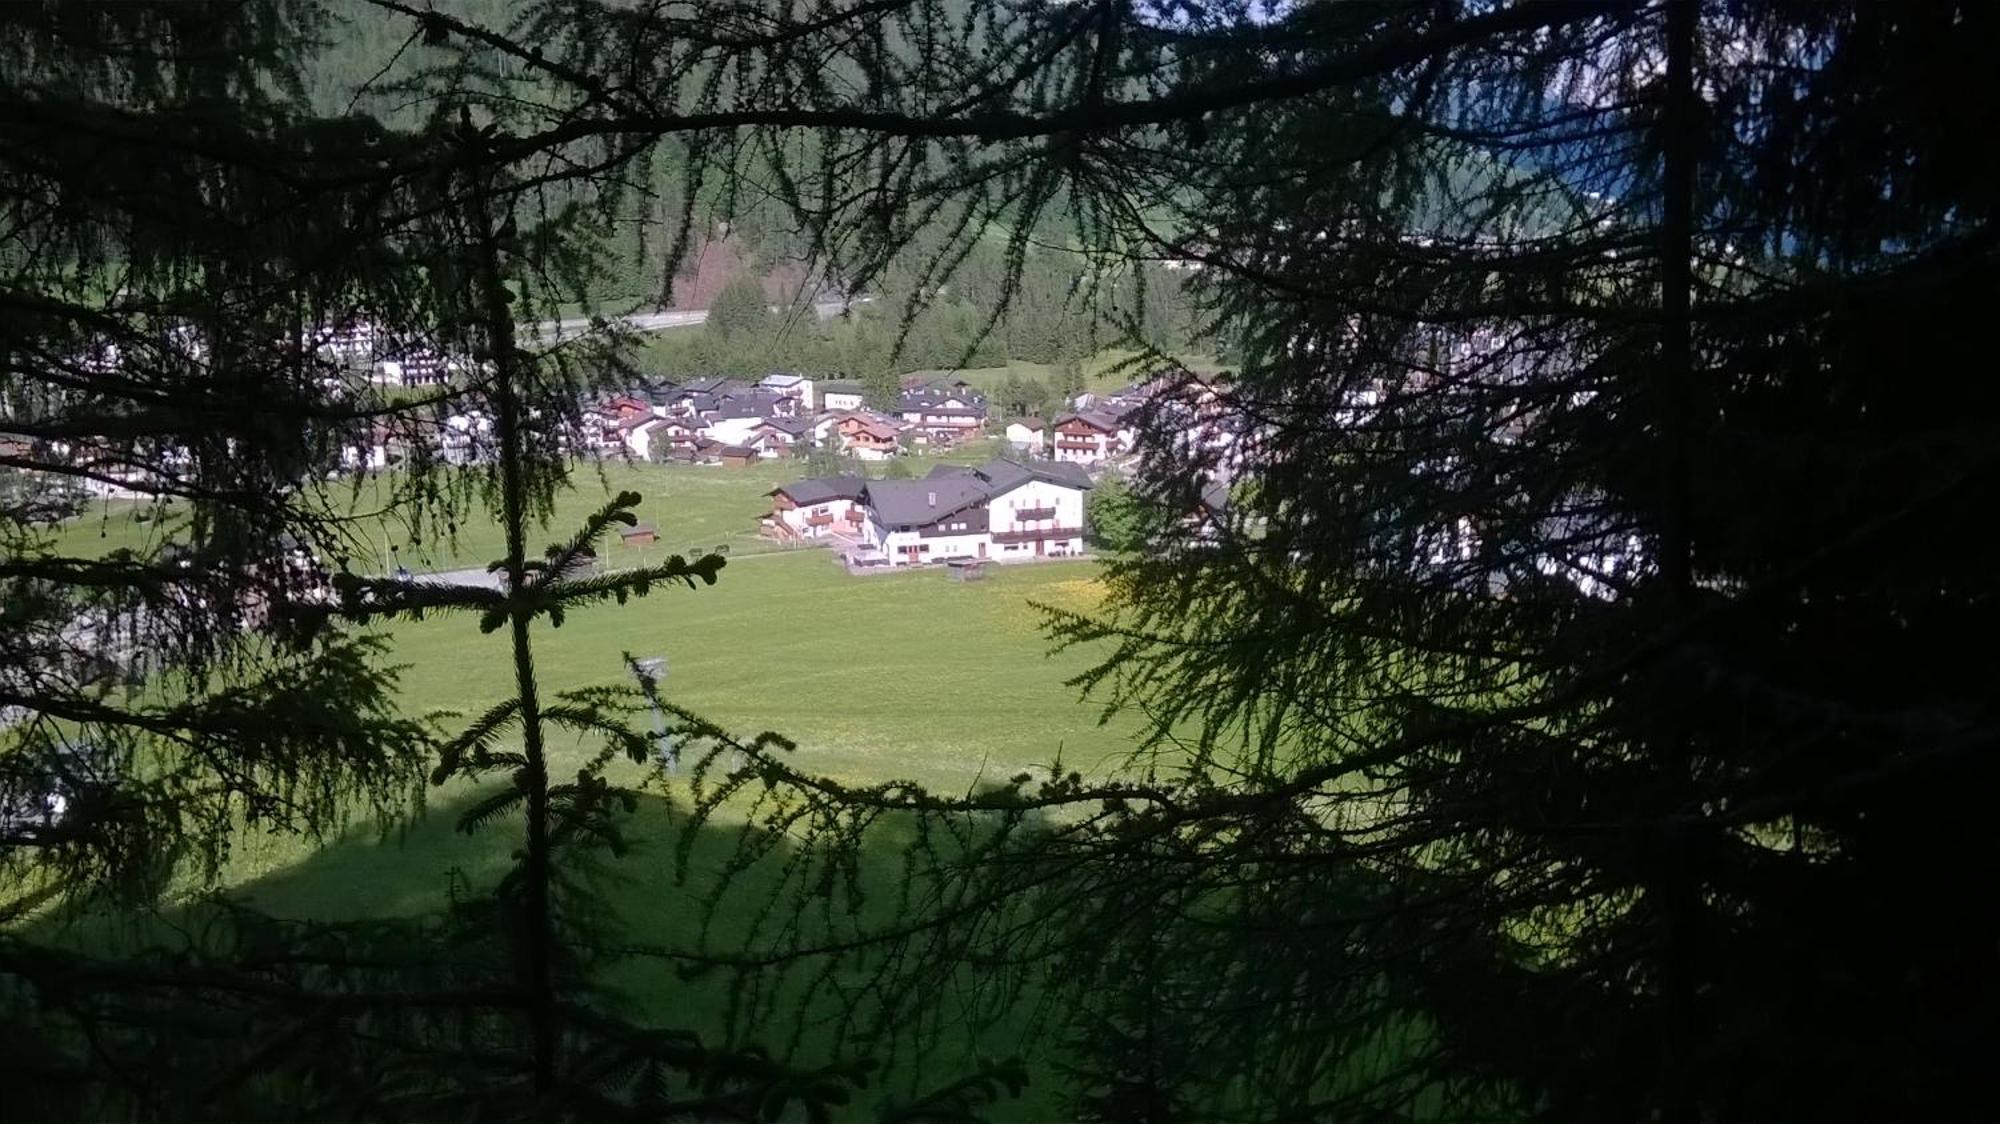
point(639, 439)
point(1035, 494)
point(358, 457)
point(896, 543)
point(731, 431)
point(841, 400)
point(796, 518)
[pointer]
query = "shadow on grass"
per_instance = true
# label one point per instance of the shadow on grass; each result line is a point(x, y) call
point(415, 870)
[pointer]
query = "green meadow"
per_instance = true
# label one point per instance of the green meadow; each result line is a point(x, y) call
point(899, 676)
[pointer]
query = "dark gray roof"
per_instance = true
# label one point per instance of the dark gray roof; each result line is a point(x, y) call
point(820, 489)
point(1103, 418)
point(918, 503)
point(1002, 474)
point(744, 407)
point(716, 385)
point(793, 426)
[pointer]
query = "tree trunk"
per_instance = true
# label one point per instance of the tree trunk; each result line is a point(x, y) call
point(539, 922)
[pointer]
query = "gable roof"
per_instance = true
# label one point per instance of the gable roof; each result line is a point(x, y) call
point(917, 503)
point(715, 384)
point(820, 489)
point(793, 426)
point(744, 406)
point(1004, 475)
point(873, 427)
point(1102, 420)
point(781, 378)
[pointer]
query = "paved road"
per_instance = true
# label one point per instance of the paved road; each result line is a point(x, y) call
point(661, 321)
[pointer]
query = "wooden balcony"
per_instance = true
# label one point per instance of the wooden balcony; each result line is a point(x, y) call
point(1032, 514)
point(1030, 534)
point(820, 520)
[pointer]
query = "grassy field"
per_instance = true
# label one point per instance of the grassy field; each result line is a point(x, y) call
point(902, 675)
point(906, 675)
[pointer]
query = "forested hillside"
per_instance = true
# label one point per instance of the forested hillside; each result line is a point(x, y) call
point(1047, 302)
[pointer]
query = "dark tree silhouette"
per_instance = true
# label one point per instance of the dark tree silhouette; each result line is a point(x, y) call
point(1579, 708)
point(1580, 711)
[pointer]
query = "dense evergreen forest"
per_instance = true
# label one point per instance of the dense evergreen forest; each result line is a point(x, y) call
point(1552, 669)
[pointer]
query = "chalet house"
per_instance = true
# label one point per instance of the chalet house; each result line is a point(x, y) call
point(943, 415)
point(777, 437)
point(467, 438)
point(767, 403)
point(606, 427)
point(813, 509)
point(415, 367)
point(1089, 437)
point(661, 395)
point(732, 422)
point(1002, 510)
point(798, 388)
point(868, 437)
point(839, 395)
point(1190, 414)
point(368, 450)
point(695, 396)
point(364, 458)
point(680, 437)
point(638, 435)
point(1027, 434)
